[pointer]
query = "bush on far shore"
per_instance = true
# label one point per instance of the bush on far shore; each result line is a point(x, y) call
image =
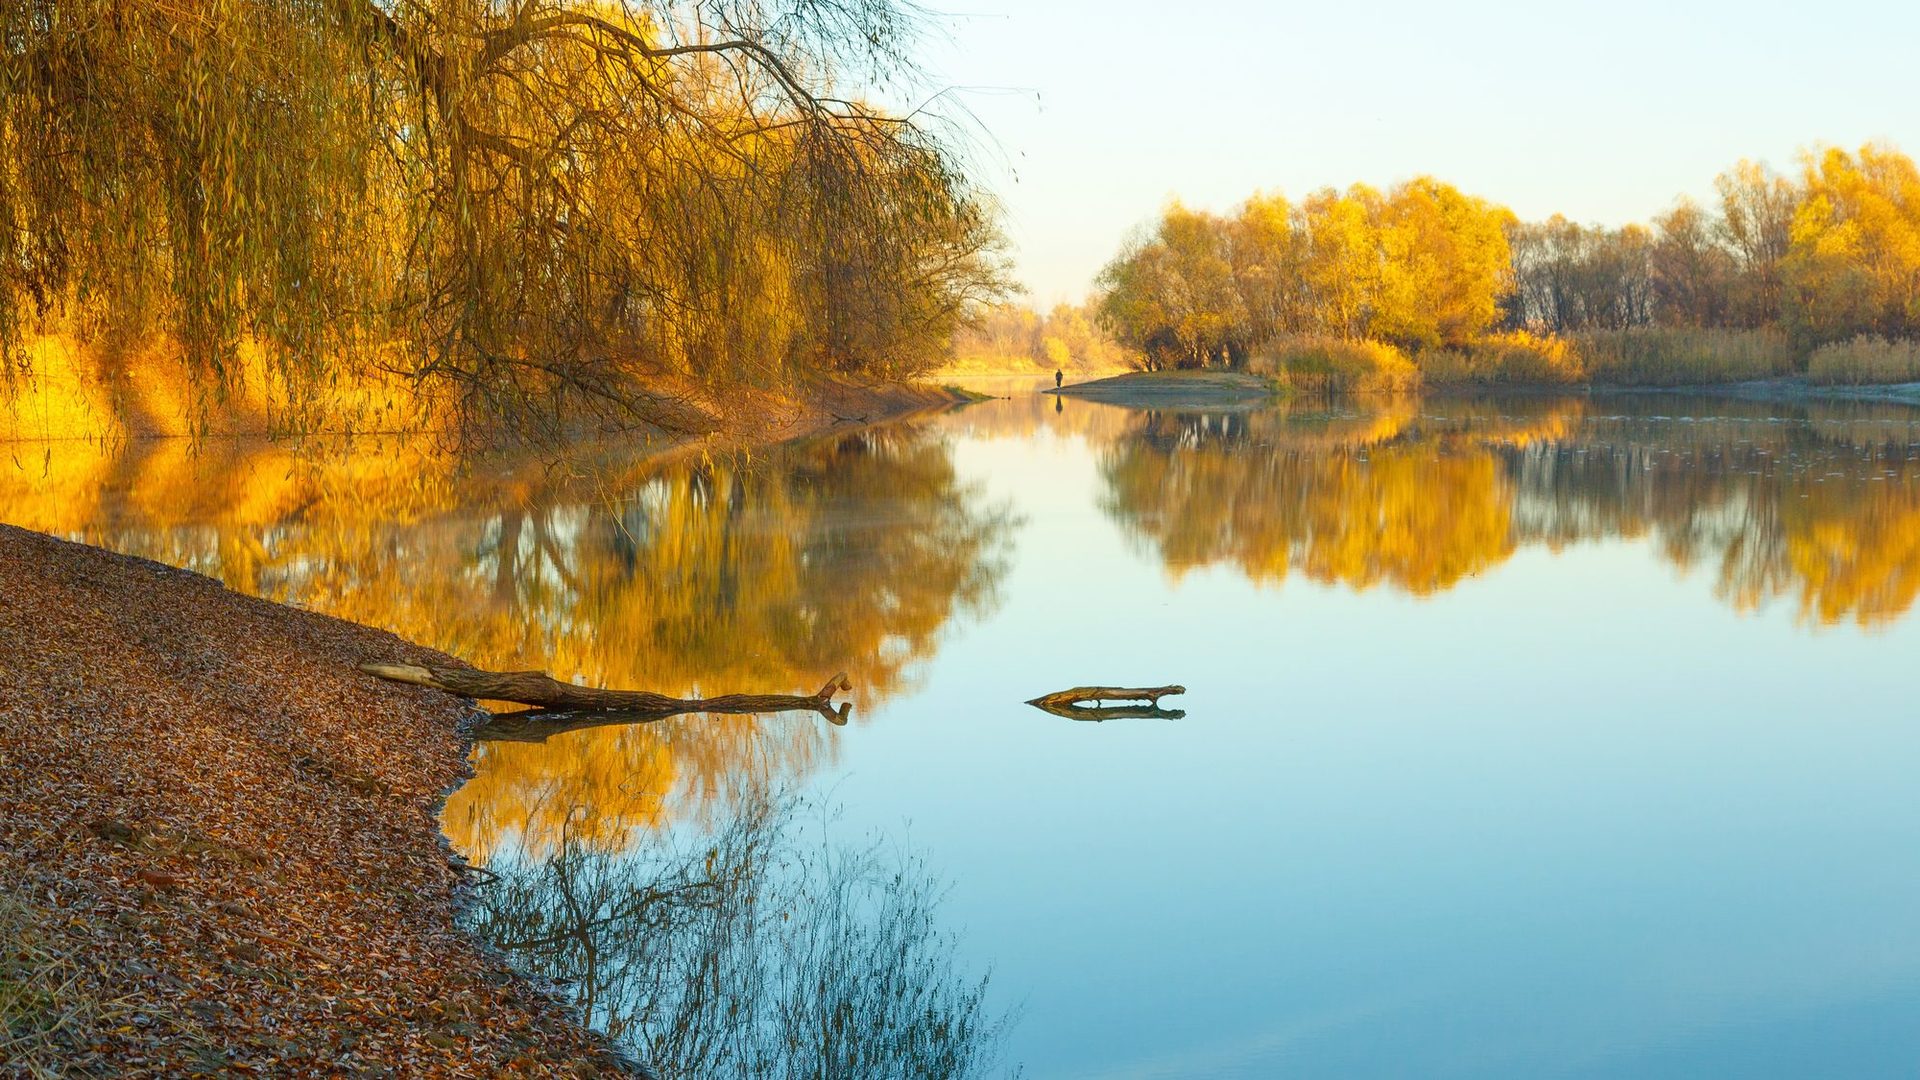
point(1516, 357)
point(1335, 365)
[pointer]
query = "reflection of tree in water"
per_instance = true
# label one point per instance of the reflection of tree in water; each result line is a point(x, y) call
point(716, 574)
point(1336, 498)
point(1823, 508)
point(852, 553)
point(1825, 512)
point(752, 952)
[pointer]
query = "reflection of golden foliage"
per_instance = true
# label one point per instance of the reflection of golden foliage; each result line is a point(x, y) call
point(1856, 552)
point(69, 391)
point(588, 787)
point(1400, 515)
point(1827, 511)
point(1417, 522)
point(849, 553)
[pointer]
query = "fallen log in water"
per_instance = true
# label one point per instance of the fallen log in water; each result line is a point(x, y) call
point(545, 692)
point(1073, 704)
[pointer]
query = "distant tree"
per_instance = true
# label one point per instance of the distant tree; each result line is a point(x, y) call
point(1835, 255)
point(1341, 265)
point(1569, 277)
point(1171, 293)
point(1757, 208)
point(1692, 272)
point(1853, 261)
point(1443, 263)
point(1267, 252)
point(1014, 337)
point(1422, 264)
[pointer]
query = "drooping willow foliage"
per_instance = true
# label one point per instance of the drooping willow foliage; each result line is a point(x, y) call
point(535, 207)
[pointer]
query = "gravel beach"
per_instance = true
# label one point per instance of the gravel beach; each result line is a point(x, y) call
point(219, 844)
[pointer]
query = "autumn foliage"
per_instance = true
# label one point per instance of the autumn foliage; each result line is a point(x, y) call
point(1783, 268)
point(534, 213)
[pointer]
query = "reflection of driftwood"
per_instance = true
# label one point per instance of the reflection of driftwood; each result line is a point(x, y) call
point(537, 689)
point(539, 725)
point(1073, 703)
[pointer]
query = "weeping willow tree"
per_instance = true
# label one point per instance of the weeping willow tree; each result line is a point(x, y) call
point(538, 208)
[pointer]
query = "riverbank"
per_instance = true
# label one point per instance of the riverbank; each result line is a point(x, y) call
point(1214, 388)
point(1788, 390)
point(69, 391)
point(1782, 391)
point(221, 845)
point(1195, 389)
point(221, 841)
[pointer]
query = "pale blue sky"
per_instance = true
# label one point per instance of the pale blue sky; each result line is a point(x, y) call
point(1604, 111)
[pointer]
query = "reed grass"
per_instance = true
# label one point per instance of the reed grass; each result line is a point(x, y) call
point(1637, 357)
point(1682, 356)
point(766, 949)
point(1865, 360)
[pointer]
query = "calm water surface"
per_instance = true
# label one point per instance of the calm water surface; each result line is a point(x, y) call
point(1523, 738)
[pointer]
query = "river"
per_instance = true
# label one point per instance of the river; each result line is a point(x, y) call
point(1522, 737)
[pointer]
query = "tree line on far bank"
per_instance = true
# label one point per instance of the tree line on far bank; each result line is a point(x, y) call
point(1012, 338)
point(1781, 273)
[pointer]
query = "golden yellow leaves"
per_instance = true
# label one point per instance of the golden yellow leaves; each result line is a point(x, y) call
point(1420, 265)
point(1829, 519)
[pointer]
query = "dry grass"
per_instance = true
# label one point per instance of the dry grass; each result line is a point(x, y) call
point(1517, 357)
point(1333, 365)
point(44, 1010)
point(1675, 356)
point(1865, 360)
point(1649, 356)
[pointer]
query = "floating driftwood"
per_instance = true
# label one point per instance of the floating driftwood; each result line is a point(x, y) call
point(545, 692)
point(1089, 703)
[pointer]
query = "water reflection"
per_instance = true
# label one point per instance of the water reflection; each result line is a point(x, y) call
point(851, 553)
point(1821, 509)
point(866, 551)
point(1393, 866)
point(758, 951)
point(712, 574)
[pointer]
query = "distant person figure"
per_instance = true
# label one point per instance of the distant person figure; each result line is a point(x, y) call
point(1057, 377)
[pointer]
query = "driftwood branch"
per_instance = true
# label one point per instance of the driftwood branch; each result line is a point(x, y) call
point(542, 691)
point(1089, 703)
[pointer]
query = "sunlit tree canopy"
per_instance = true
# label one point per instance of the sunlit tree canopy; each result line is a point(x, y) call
point(530, 205)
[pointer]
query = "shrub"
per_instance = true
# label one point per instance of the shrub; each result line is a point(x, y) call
point(1517, 357)
point(1866, 359)
point(1331, 364)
